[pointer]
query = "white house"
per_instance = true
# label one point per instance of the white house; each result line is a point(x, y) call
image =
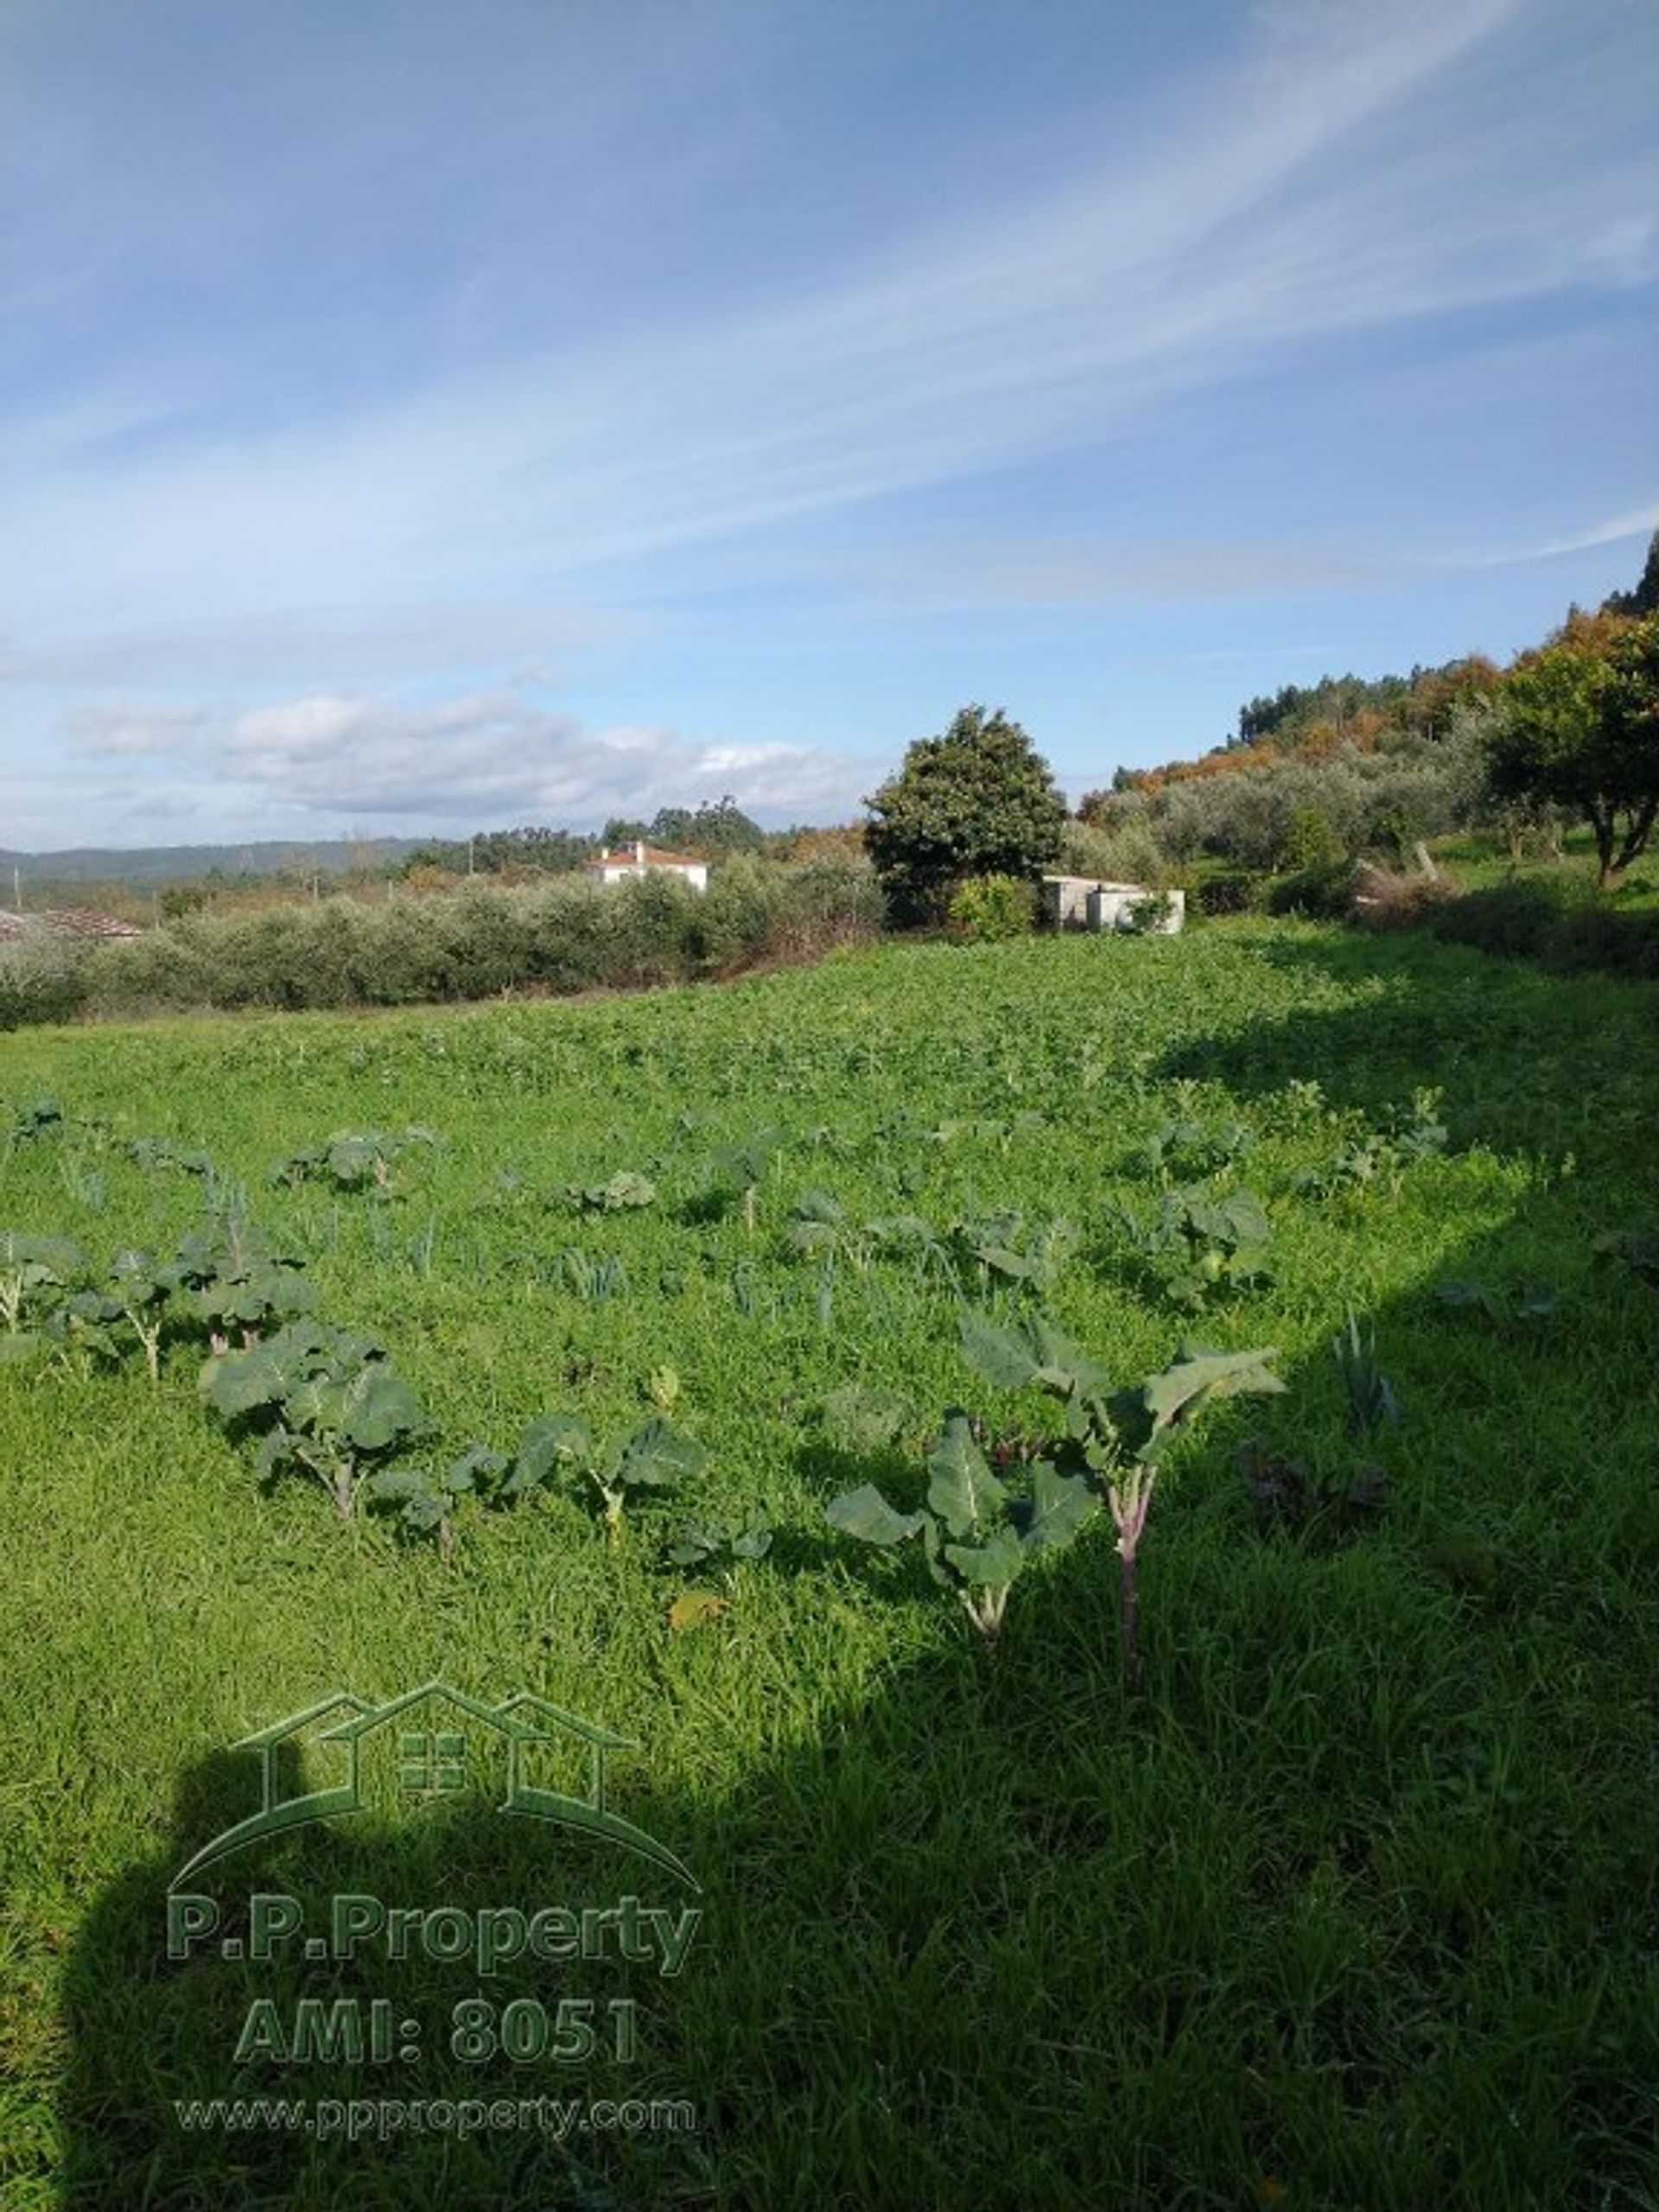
point(641, 859)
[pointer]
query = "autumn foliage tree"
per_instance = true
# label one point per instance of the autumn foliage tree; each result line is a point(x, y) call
point(1578, 728)
point(978, 801)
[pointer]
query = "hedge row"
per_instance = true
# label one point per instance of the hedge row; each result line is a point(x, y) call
point(566, 935)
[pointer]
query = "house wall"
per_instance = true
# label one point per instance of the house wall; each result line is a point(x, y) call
point(694, 873)
point(1079, 902)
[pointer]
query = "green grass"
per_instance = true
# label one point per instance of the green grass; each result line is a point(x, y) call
point(1354, 1907)
point(1480, 861)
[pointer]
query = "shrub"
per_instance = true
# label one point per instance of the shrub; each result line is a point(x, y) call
point(42, 978)
point(832, 899)
point(1233, 893)
point(556, 933)
point(1597, 936)
point(1311, 845)
point(1324, 893)
point(985, 909)
point(734, 919)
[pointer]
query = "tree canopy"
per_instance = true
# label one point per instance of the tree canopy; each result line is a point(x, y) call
point(980, 800)
point(1578, 728)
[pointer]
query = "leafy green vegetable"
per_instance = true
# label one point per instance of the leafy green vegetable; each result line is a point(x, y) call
point(353, 1160)
point(428, 1501)
point(327, 1400)
point(655, 1457)
point(979, 1532)
point(625, 1191)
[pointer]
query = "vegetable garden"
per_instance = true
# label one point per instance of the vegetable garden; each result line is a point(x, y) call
point(1109, 1487)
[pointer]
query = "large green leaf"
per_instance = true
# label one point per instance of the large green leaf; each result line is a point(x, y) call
point(373, 1409)
point(41, 1259)
point(962, 1489)
point(554, 1440)
point(992, 1565)
point(656, 1455)
point(1197, 1379)
point(1059, 1506)
point(267, 1374)
point(1247, 1221)
point(1034, 1350)
point(864, 1513)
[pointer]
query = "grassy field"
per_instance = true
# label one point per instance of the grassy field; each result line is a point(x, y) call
point(1354, 1904)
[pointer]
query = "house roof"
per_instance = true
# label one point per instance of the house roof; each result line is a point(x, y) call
point(639, 854)
point(64, 921)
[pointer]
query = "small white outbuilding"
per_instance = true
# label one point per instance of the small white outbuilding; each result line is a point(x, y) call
point(1083, 902)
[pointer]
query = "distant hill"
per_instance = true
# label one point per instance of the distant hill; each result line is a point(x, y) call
point(157, 864)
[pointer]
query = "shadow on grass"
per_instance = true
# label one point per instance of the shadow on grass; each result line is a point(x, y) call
point(1356, 1907)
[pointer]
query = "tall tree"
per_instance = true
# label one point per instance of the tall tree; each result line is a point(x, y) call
point(1644, 600)
point(1578, 727)
point(980, 800)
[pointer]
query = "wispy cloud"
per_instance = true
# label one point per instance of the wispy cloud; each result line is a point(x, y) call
point(1638, 522)
point(1255, 228)
point(350, 595)
point(317, 761)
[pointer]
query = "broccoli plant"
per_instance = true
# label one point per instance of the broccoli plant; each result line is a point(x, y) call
point(1381, 1156)
point(979, 1534)
point(329, 1402)
point(1003, 1246)
point(740, 1169)
point(238, 1283)
point(1289, 1494)
point(33, 1272)
point(1179, 1150)
point(140, 1290)
point(151, 1153)
point(654, 1458)
point(429, 1501)
point(353, 1160)
point(1200, 1245)
point(720, 1547)
point(624, 1193)
point(1504, 1301)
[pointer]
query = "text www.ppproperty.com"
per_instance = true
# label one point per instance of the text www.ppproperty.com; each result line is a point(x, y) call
point(355, 2120)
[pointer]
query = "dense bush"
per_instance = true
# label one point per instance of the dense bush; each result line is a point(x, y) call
point(559, 934)
point(1323, 894)
point(985, 909)
point(1516, 919)
point(1235, 892)
point(42, 979)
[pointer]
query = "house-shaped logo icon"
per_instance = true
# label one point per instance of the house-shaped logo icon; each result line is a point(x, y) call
point(439, 1742)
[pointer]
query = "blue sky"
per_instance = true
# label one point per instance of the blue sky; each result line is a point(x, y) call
point(417, 418)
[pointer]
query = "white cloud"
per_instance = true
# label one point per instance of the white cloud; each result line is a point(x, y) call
point(1638, 522)
point(317, 764)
